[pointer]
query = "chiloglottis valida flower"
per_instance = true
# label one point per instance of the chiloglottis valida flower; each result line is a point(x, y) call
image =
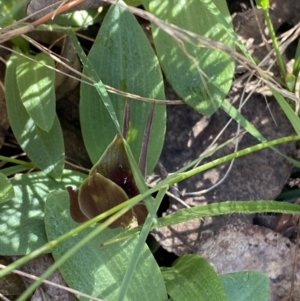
point(110, 183)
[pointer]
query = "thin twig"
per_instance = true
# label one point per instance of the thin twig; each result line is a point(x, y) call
point(2, 297)
point(77, 166)
point(53, 284)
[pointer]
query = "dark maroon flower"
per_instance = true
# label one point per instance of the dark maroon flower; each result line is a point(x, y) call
point(109, 184)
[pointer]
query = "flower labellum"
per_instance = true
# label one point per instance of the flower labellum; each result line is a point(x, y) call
point(110, 183)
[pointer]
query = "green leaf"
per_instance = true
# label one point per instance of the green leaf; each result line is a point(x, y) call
point(12, 170)
point(46, 150)
point(12, 10)
point(201, 76)
point(228, 207)
point(290, 81)
point(192, 278)
point(36, 86)
point(263, 4)
point(79, 18)
point(98, 84)
point(289, 112)
point(110, 109)
point(123, 59)
point(246, 286)
point(99, 270)
point(6, 189)
point(22, 227)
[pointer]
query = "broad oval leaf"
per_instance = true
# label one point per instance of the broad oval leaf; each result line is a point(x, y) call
point(45, 149)
point(36, 86)
point(6, 189)
point(201, 76)
point(97, 270)
point(192, 278)
point(22, 228)
point(123, 58)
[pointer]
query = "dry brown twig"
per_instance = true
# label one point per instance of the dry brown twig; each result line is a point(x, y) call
point(53, 284)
